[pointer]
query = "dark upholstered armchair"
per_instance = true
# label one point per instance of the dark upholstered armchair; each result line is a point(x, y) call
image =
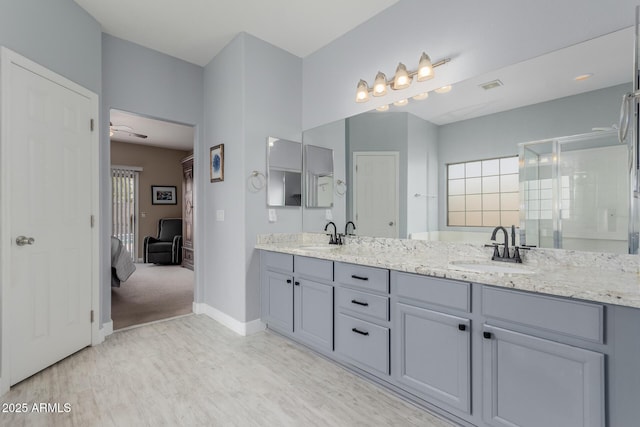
point(167, 247)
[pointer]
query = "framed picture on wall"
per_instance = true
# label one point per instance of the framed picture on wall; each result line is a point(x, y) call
point(216, 163)
point(163, 195)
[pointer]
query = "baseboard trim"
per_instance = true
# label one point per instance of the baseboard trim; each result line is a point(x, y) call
point(106, 330)
point(240, 328)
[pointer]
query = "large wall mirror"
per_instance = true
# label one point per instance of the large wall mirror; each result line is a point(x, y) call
point(318, 165)
point(284, 172)
point(558, 94)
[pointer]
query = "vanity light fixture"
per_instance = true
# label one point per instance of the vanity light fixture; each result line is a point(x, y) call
point(583, 77)
point(421, 96)
point(383, 108)
point(402, 78)
point(401, 103)
point(443, 89)
point(362, 94)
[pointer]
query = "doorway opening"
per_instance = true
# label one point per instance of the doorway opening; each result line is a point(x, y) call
point(152, 219)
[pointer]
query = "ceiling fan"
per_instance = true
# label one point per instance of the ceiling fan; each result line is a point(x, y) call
point(124, 129)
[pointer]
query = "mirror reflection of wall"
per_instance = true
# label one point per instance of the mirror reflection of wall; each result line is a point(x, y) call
point(482, 124)
point(318, 176)
point(284, 172)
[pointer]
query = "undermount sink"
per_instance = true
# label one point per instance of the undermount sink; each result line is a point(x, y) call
point(489, 267)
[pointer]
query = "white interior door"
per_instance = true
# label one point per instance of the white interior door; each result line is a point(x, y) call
point(48, 141)
point(375, 196)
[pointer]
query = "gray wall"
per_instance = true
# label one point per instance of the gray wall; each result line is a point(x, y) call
point(400, 33)
point(57, 34)
point(498, 135)
point(333, 136)
point(152, 84)
point(261, 101)
point(380, 132)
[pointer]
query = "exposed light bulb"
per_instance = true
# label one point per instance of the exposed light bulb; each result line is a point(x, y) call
point(401, 103)
point(383, 108)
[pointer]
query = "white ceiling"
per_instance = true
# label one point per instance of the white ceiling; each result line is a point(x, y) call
point(196, 30)
point(159, 133)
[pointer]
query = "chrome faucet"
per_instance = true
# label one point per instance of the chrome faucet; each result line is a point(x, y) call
point(346, 228)
point(333, 240)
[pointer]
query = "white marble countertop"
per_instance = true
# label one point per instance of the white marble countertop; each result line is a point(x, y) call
point(600, 277)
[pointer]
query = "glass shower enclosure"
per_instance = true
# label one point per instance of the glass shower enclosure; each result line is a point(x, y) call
point(575, 193)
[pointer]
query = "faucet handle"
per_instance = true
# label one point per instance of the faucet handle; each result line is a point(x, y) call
point(331, 241)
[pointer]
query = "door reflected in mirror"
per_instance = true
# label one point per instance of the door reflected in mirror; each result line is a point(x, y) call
point(318, 176)
point(284, 172)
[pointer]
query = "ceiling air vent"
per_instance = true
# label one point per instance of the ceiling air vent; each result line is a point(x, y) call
point(491, 85)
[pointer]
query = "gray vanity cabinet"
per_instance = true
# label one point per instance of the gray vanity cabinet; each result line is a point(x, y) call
point(529, 381)
point(297, 298)
point(277, 291)
point(362, 333)
point(534, 372)
point(313, 302)
point(432, 349)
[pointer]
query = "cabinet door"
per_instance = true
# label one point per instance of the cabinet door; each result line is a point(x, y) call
point(532, 382)
point(433, 355)
point(277, 304)
point(313, 320)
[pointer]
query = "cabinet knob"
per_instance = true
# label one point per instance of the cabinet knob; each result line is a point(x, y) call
point(487, 335)
point(288, 280)
point(462, 327)
point(296, 283)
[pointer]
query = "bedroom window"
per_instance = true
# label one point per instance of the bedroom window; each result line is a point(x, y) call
point(124, 190)
point(483, 193)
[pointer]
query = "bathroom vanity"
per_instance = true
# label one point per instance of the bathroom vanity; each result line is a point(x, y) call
point(553, 343)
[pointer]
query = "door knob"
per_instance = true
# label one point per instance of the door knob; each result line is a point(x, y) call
point(23, 240)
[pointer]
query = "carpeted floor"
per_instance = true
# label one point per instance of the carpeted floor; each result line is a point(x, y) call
point(153, 292)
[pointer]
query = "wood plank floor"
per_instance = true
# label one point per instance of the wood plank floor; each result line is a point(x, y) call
point(192, 371)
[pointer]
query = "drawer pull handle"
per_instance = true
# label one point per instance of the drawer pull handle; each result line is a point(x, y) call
point(357, 331)
point(364, 304)
point(462, 327)
point(487, 335)
point(359, 277)
point(288, 280)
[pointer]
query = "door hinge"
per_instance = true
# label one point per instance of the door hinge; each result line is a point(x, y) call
point(91, 124)
point(92, 220)
point(91, 316)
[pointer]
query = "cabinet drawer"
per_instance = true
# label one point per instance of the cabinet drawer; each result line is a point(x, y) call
point(363, 342)
point(363, 303)
point(313, 267)
point(277, 261)
point(572, 318)
point(368, 278)
point(431, 290)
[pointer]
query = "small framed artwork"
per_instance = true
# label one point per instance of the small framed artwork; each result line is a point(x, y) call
point(163, 195)
point(216, 163)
